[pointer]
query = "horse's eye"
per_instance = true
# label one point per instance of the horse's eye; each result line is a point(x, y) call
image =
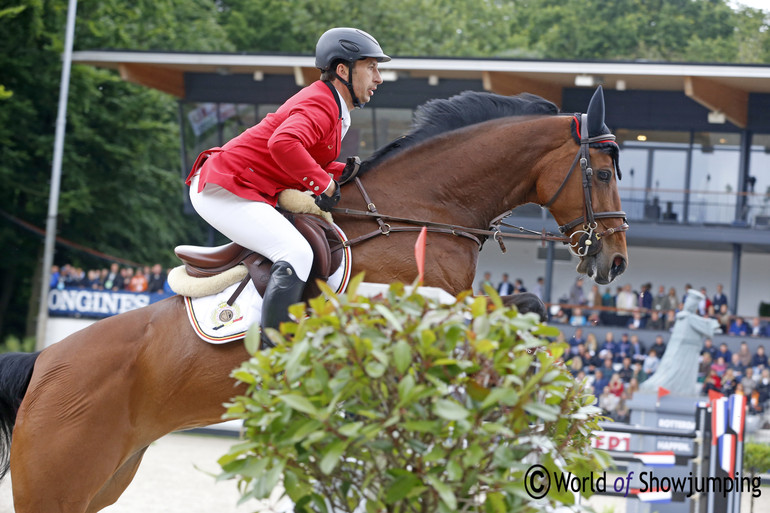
point(604, 175)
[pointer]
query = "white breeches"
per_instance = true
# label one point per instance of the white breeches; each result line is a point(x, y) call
point(254, 225)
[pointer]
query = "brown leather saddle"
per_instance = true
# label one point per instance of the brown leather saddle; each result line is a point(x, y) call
point(202, 262)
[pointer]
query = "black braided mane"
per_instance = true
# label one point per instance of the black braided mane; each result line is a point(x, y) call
point(440, 116)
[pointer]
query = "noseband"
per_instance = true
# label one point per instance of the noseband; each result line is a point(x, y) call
point(590, 241)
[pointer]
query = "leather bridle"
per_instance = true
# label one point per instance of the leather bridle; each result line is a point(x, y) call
point(590, 241)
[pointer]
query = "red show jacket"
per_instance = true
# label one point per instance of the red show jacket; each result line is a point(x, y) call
point(293, 148)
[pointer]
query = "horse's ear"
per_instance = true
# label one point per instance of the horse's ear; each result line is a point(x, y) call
point(596, 113)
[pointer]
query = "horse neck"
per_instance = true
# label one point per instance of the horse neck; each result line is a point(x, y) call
point(469, 176)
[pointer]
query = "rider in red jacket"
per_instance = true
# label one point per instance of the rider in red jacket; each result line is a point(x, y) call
point(235, 187)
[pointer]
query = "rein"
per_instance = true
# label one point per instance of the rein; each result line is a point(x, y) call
point(589, 243)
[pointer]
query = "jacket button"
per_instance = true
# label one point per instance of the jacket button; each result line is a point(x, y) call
point(330, 146)
point(304, 179)
point(315, 188)
point(311, 182)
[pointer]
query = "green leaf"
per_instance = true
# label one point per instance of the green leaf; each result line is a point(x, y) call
point(400, 487)
point(402, 356)
point(331, 456)
point(299, 403)
point(450, 410)
point(444, 491)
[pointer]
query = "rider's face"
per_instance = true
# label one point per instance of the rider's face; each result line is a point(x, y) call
point(366, 78)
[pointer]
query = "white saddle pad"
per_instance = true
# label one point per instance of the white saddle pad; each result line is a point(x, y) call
point(217, 322)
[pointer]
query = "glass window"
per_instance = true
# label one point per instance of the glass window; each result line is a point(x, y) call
point(714, 177)
point(759, 178)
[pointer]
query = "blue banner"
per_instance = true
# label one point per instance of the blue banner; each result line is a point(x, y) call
point(97, 304)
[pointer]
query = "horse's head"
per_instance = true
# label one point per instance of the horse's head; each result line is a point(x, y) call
point(586, 203)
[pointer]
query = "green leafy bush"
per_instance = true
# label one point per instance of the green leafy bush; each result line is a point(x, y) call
point(410, 406)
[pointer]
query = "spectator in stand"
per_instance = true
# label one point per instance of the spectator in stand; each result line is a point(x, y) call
point(578, 318)
point(659, 346)
point(576, 340)
point(724, 352)
point(637, 321)
point(518, 286)
point(673, 301)
point(757, 328)
point(626, 372)
point(748, 381)
point(600, 381)
point(755, 405)
point(645, 297)
point(656, 322)
point(729, 382)
point(607, 317)
point(607, 368)
point(636, 352)
point(633, 386)
point(539, 288)
point(687, 287)
point(92, 280)
point(708, 347)
point(575, 365)
point(626, 302)
point(608, 401)
point(719, 298)
point(55, 275)
point(712, 382)
point(505, 287)
point(723, 317)
point(705, 303)
point(127, 273)
point(736, 366)
point(156, 279)
point(138, 282)
point(744, 353)
point(763, 386)
point(739, 328)
point(639, 374)
point(114, 279)
point(486, 280)
point(704, 367)
point(609, 344)
point(651, 362)
point(719, 366)
point(660, 301)
point(759, 360)
point(624, 348)
point(616, 385)
point(576, 294)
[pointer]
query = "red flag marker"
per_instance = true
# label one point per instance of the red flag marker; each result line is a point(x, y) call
point(419, 254)
point(662, 392)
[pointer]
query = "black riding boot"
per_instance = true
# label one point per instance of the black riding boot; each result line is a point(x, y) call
point(284, 289)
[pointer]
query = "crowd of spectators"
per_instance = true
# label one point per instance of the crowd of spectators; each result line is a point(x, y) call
point(115, 278)
point(632, 309)
point(615, 368)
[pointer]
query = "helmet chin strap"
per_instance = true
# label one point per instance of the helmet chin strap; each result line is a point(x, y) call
point(349, 85)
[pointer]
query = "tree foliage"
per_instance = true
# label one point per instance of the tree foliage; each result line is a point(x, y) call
point(412, 406)
point(121, 187)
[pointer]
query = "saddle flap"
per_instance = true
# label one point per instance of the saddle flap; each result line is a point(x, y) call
point(311, 229)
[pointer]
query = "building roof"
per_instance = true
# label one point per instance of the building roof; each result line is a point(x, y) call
point(719, 87)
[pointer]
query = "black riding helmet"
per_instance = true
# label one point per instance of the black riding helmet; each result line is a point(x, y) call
point(348, 45)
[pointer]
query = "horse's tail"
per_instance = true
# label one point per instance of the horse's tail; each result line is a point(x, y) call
point(15, 373)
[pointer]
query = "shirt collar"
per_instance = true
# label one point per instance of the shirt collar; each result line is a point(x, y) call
point(345, 114)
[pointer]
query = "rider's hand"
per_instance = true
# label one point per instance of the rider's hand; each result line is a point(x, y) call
point(329, 198)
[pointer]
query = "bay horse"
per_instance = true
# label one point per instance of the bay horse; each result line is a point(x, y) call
point(83, 411)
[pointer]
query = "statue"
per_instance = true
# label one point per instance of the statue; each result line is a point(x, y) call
point(678, 368)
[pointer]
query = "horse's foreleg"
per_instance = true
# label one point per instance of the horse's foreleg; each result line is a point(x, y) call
point(117, 484)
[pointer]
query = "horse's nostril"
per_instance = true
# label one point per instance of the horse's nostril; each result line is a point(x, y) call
point(618, 265)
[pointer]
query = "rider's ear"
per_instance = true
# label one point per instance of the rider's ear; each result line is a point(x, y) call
point(596, 113)
point(342, 70)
